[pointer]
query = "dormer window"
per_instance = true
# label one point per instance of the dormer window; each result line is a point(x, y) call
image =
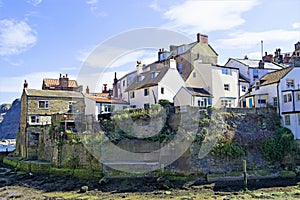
point(290, 83)
point(255, 74)
point(140, 78)
point(154, 75)
point(181, 49)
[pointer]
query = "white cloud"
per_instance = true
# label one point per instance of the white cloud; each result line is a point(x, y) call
point(247, 40)
point(192, 16)
point(94, 7)
point(34, 2)
point(15, 37)
point(296, 25)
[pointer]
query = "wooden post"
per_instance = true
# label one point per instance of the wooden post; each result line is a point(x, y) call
point(245, 174)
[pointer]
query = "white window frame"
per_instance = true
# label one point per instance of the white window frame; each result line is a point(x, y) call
point(46, 104)
point(34, 119)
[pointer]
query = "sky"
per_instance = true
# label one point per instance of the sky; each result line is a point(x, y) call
point(44, 38)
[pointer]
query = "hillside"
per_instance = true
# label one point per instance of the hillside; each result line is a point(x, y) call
point(10, 124)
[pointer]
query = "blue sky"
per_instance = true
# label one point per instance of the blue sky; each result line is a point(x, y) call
point(43, 38)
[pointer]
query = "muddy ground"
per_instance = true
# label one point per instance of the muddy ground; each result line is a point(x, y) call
point(20, 185)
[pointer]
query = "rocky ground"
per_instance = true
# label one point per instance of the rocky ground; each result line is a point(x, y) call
point(20, 185)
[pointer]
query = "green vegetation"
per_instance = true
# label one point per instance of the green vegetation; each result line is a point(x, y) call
point(229, 149)
point(278, 146)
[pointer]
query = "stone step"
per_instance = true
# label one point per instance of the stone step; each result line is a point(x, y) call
point(130, 167)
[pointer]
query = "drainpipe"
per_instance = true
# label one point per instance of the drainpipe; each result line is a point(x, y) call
point(278, 100)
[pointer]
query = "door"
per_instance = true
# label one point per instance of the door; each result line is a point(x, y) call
point(250, 103)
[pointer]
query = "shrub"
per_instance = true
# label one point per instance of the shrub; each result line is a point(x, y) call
point(281, 144)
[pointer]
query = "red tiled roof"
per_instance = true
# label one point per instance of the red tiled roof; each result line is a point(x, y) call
point(49, 82)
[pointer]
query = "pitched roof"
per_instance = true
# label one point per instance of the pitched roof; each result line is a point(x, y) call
point(148, 81)
point(52, 93)
point(200, 92)
point(242, 78)
point(255, 63)
point(105, 98)
point(50, 82)
point(274, 77)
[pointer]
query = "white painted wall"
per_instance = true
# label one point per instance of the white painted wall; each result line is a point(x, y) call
point(271, 90)
point(183, 97)
point(171, 83)
point(218, 81)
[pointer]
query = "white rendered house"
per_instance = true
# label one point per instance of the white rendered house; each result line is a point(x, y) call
point(151, 86)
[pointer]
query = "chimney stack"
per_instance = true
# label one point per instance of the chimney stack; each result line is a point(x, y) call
point(63, 81)
point(115, 86)
point(202, 38)
point(25, 84)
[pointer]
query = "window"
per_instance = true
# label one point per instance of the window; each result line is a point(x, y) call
point(140, 78)
point(255, 74)
point(298, 119)
point(43, 104)
point(298, 96)
point(194, 74)
point(226, 103)
point(290, 83)
point(146, 92)
point(226, 87)
point(154, 75)
point(70, 110)
point(202, 102)
point(133, 106)
point(146, 106)
point(275, 101)
point(262, 101)
point(181, 49)
point(287, 120)
point(226, 71)
point(287, 98)
point(35, 119)
point(243, 88)
point(162, 90)
point(131, 95)
point(179, 66)
point(107, 108)
point(124, 83)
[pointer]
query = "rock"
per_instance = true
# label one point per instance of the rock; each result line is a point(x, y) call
point(103, 180)
point(297, 170)
point(168, 192)
point(84, 189)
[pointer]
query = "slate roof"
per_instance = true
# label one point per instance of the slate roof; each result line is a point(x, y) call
point(274, 77)
point(243, 78)
point(148, 81)
point(187, 47)
point(52, 93)
point(50, 82)
point(254, 63)
point(200, 92)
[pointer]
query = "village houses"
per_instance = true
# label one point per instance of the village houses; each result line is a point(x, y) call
point(58, 102)
point(185, 75)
